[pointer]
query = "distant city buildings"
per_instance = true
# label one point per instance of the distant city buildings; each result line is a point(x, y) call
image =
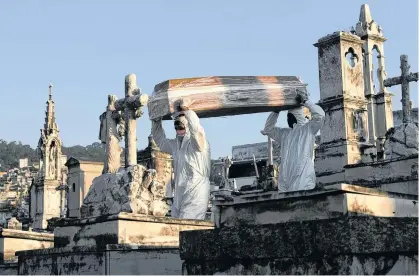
point(23, 162)
point(14, 187)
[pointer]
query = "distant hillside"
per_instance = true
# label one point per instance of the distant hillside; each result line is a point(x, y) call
point(11, 152)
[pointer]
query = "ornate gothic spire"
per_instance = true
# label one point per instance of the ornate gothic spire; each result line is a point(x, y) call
point(50, 125)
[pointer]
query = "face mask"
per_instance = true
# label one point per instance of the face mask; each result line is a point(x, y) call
point(180, 126)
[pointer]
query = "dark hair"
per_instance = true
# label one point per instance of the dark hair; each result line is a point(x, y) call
point(291, 119)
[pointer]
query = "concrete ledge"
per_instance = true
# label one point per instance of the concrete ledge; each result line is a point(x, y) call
point(129, 217)
point(334, 201)
point(58, 251)
point(124, 228)
point(12, 240)
point(92, 250)
point(20, 234)
point(314, 239)
point(249, 197)
point(383, 162)
point(127, 247)
point(383, 174)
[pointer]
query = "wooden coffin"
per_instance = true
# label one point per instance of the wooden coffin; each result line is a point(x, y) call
point(226, 96)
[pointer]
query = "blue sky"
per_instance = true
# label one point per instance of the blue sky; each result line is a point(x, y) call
point(87, 47)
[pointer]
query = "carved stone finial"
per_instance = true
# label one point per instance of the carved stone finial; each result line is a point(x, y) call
point(50, 90)
point(366, 25)
point(365, 14)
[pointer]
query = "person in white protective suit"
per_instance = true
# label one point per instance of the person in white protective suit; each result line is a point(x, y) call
point(192, 163)
point(296, 170)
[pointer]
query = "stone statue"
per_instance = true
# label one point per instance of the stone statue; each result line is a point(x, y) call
point(372, 78)
point(51, 161)
point(110, 135)
point(381, 75)
point(227, 164)
point(64, 172)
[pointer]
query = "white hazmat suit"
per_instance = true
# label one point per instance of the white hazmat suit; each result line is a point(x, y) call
point(192, 165)
point(296, 170)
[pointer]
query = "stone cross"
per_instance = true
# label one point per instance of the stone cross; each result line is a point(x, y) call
point(404, 80)
point(131, 109)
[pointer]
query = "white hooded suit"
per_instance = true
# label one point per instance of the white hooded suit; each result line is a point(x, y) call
point(192, 165)
point(296, 170)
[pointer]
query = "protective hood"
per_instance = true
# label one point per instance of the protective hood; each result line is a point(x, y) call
point(299, 115)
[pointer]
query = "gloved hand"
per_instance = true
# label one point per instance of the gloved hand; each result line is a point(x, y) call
point(182, 105)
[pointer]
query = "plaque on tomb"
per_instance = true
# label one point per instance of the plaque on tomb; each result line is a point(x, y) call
point(226, 96)
point(259, 150)
point(244, 152)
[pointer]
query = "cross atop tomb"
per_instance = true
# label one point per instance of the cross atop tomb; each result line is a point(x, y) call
point(131, 108)
point(404, 80)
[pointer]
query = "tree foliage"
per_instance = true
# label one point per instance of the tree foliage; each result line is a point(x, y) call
point(11, 152)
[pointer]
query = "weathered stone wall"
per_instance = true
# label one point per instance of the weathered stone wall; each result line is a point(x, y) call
point(8, 269)
point(353, 245)
point(114, 260)
point(397, 175)
point(136, 260)
point(401, 141)
point(396, 264)
point(58, 261)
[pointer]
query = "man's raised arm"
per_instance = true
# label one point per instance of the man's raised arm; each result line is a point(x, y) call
point(317, 116)
point(198, 138)
point(270, 129)
point(159, 136)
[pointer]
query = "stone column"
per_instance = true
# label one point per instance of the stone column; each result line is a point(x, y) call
point(369, 93)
